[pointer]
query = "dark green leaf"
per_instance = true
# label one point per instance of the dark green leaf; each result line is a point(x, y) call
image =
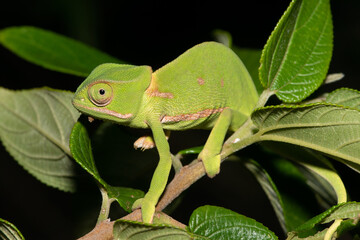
point(345, 97)
point(307, 158)
point(193, 150)
point(317, 236)
point(9, 232)
point(269, 188)
point(295, 208)
point(80, 146)
point(296, 57)
point(317, 219)
point(219, 224)
point(124, 196)
point(81, 151)
point(330, 129)
point(350, 210)
point(349, 225)
point(141, 231)
point(35, 127)
point(53, 51)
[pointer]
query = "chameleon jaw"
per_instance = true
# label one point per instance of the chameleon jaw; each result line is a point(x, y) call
point(103, 110)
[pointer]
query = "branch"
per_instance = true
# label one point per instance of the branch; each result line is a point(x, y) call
point(103, 231)
point(187, 175)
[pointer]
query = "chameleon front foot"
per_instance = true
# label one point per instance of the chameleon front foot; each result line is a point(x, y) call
point(147, 209)
point(144, 143)
point(147, 142)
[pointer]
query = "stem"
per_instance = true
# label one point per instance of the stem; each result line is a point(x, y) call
point(265, 95)
point(177, 165)
point(184, 179)
point(332, 229)
point(243, 137)
point(105, 206)
point(162, 218)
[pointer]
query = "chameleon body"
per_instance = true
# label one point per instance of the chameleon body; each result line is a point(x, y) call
point(207, 87)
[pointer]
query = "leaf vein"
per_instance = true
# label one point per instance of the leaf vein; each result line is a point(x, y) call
point(312, 51)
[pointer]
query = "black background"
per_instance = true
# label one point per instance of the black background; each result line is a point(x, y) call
point(151, 33)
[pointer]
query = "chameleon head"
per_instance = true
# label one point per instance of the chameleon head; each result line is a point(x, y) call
point(113, 91)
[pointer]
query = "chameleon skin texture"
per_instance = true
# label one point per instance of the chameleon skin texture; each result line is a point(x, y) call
point(207, 87)
point(203, 81)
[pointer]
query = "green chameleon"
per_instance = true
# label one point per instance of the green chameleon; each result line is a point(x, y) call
point(207, 87)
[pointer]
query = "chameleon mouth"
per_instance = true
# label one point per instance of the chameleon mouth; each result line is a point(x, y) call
point(102, 110)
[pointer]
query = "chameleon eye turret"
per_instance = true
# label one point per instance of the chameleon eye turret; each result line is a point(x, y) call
point(100, 93)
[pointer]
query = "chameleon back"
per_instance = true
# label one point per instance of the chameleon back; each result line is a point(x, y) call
point(195, 88)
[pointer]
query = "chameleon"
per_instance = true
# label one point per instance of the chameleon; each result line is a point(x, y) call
point(206, 87)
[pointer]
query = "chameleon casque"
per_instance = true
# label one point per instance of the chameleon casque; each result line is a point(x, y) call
point(207, 87)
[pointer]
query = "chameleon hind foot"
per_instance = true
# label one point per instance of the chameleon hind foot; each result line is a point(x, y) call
point(147, 209)
point(211, 164)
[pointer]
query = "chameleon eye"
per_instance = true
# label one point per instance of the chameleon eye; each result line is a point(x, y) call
point(100, 94)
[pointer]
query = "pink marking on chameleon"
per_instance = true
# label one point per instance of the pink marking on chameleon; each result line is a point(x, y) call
point(200, 81)
point(191, 116)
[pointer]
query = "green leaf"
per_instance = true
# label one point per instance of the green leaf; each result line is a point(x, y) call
point(296, 57)
point(80, 146)
point(124, 196)
point(318, 236)
point(9, 232)
point(349, 98)
point(269, 188)
point(317, 219)
point(193, 150)
point(330, 129)
point(324, 191)
point(322, 167)
point(291, 207)
point(219, 223)
point(53, 51)
point(140, 231)
point(349, 225)
point(350, 210)
point(321, 175)
point(346, 97)
point(35, 127)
